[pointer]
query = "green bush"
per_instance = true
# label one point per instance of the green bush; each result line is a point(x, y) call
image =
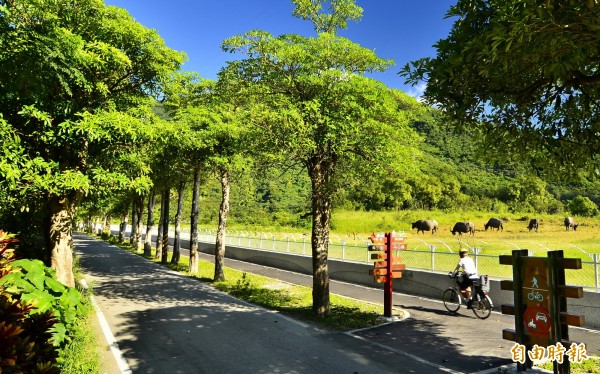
point(38, 314)
point(583, 206)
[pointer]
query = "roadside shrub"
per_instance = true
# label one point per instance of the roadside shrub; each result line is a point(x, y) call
point(38, 313)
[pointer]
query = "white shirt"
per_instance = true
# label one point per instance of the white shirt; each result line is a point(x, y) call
point(468, 266)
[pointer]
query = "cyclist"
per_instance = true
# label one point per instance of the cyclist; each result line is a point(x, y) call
point(469, 274)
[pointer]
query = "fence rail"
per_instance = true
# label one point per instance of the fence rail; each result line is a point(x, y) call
point(430, 259)
point(420, 255)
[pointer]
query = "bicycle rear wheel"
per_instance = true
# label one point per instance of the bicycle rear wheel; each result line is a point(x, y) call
point(482, 307)
point(451, 300)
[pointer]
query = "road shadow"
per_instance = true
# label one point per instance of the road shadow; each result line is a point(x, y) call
point(434, 342)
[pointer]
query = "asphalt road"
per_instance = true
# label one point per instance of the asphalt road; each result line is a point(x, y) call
point(164, 322)
point(168, 323)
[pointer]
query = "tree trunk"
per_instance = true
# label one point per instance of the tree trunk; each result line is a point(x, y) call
point(158, 253)
point(149, 225)
point(60, 238)
point(220, 242)
point(105, 226)
point(165, 234)
point(134, 220)
point(139, 211)
point(320, 174)
point(194, 223)
point(177, 240)
point(123, 226)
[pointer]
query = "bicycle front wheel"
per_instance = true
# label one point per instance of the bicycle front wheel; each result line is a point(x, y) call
point(482, 307)
point(451, 300)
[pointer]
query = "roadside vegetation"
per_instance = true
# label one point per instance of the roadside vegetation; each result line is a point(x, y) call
point(44, 325)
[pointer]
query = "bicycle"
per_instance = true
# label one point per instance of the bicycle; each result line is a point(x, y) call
point(482, 304)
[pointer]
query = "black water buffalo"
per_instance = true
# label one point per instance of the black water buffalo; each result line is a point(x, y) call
point(463, 227)
point(425, 225)
point(570, 222)
point(533, 224)
point(494, 223)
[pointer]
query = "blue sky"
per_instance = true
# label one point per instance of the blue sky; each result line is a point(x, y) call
point(400, 30)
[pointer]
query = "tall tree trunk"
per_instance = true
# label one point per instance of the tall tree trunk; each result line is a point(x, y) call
point(321, 211)
point(123, 225)
point(134, 220)
point(158, 253)
point(194, 222)
point(220, 242)
point(139, 211)
point(165, 234)
point(105, 220)
point(149, 224)
point(59, 237)
point(177, 240)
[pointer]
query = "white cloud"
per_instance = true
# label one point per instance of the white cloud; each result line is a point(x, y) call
point(418, 90)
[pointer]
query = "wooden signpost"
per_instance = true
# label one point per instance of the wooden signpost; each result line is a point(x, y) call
point(386, 266)
point(540, 304)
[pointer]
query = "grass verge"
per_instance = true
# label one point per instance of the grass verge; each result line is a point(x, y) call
point(289, 299)
point(81, 355)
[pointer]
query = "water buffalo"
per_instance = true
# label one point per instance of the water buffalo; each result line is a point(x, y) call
point(533, 224)
point(494, 223)
point(463, 227)
point(570, 222)
point(425, 225)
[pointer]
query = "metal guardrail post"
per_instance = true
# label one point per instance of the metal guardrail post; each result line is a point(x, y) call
point(432, 249)
point(596, 271)
point(343, 250)
point(303, 245)
point(273, 246)
point(288, 245)
point(476, 251)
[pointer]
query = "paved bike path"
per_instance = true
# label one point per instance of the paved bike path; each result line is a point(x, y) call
point(430, 336)
point(168, 323)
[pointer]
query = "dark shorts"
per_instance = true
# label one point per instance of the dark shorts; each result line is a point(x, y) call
point(466, 282)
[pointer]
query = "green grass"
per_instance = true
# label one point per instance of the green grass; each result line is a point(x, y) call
point(81, 355)
point(591, 365)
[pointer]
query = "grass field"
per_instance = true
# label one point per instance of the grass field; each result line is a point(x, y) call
point(351, 231)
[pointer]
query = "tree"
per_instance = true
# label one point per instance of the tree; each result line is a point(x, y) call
point(524, 76)
point(68, 75)
point(583, 206)
point(313, 104)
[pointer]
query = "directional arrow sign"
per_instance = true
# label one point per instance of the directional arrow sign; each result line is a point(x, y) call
point(378, 256)
point(400, 247)
point(378, 271)
point(383, 271)
point(381, 279)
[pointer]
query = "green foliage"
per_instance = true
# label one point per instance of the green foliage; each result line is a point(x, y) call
point(340, 12)
point(36, 285)
point(521, 77)
point(583, 206)
point(25, 333)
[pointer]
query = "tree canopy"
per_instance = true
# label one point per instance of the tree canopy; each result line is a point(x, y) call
point(73, 77)
point(316, 107)
point(525, 76)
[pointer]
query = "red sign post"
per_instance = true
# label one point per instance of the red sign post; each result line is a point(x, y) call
point(387, 266)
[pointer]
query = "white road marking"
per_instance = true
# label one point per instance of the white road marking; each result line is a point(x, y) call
point(108, 335)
